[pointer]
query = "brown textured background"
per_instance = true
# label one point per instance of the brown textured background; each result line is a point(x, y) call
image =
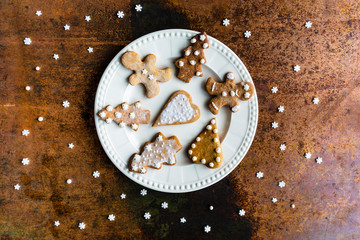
point(326, 195)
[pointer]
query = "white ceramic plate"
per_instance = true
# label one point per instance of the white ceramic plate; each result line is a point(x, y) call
point(236, 130)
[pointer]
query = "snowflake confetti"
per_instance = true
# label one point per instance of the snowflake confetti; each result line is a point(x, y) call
point(282, 147)
point(82, 225)
point(120, 14)
point(247, 34)
point(57, 223)
point(242, 212)
point(143, 192)
point(96, 174)
point(259, 174)
point(147, 215)
point(25, 161)
point(274, 200)
point(183, 220)
point(318, 160)
point(27, 41)
point(226, 22)
point(66, 27)
point(17, 187)
point(281, 184)
point(138, 8)
point(37, 68)
point(25, 132)
point(56, 56)
point(27, 88)
point(308, 24)
point(274, 125)
point(71, 145)
point(38, 13)
point(66, 104)
point(123, 196)
point(207, 228)
point(307, 155)
point(164, 205)
point(316, 101)
point(40, 119)
point(87, 18)
point(281, 109)
point(274, 89)
point(90, 50)
point(111, 217)
point(296, 68)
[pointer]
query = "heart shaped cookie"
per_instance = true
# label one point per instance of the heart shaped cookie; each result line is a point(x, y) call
point(179, 109)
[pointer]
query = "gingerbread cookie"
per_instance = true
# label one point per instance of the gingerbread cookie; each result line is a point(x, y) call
point(179, 109)
point(145, 72)
point(228, 93)
point(206, 149)
point(161, 151)
point(190, 64)
point(125, 114)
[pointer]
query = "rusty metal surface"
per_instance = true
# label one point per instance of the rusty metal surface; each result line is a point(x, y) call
point(326, 196)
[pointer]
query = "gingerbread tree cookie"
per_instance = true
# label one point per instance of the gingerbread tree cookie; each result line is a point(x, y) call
point(228, 93)
point(125, 114)
point(161, 151)
point(190, 64)
point(179, 109)
point(206, 149)
point(145, 72)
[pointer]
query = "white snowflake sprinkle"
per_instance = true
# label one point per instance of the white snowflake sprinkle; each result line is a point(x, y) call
point(38, 13)
point(143, 192)
point(147, 215)
point(82, 225)
point(96, 174)
point(207, 228)
point(56, 56)
point(87, 18)
point(259, 174)
point(90, 50)
point(308, 24)
point(17, 187)
point(316, 100)
point(274, 89)
point(281, 184)
point(25, 161)
point(25, 132)
point(226, 22)
point(120, 14)
point(296, 68)
point(111, 217)
point(66, 104)
point(292, 205)
point(247, 34)
point(71, 145)
point(40, 119)
point(27, 41)
point(151, 77)
point(274, 200)
point(164, 205)
point(274, 125)
point(183, 220)
point(307, 155)
point(37, 68)
point(282, 147)
point(318, 160)
point(138, 8)
point(281, 108)
point(66, 27)
point(242, 212)
point(123, 196)
point(57, 223)
point(69, 181)
point(27, 88)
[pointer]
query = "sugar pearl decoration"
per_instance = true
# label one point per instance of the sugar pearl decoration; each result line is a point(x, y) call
point(109, 108)
point(213, 121)
point(190, 152)
point(211, 164)
point(198, 139)
point(216, 140)
point(232, 93)
point(196, 53)
point(69, 181)
point(181, 63)
point(208, 127)
point(223, 94)
point(27, 88)
point(211, 208)
point(215, 130)
point(203, 161)
point(138, 105)
point(192, 62)
point(125, 106)
point(205, 45)
point(187, 53)
point(193, 40)
point(198, 73)
point(40, 119)
point(194, 158)
point(230, 76)
point(218, 150)
point(217, 159)
point(193, 145)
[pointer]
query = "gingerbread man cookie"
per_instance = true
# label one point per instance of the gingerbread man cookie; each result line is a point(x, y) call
point(125, 114)
point(206, 149)
point(155, 154)
point(228, 93)
point(145, 72)
point(190, 64)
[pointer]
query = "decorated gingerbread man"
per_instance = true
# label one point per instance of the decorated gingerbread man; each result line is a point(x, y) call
point(228, 93)
point(145, 72)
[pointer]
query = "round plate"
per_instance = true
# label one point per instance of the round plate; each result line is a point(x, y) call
point(236, 130)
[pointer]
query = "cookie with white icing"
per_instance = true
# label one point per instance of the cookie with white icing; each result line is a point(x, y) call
point(124, 114)
point(179, 109)
point(206, 149)
point(156, 153)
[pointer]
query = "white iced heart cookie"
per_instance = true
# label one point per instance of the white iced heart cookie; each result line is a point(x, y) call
point(179, 109)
